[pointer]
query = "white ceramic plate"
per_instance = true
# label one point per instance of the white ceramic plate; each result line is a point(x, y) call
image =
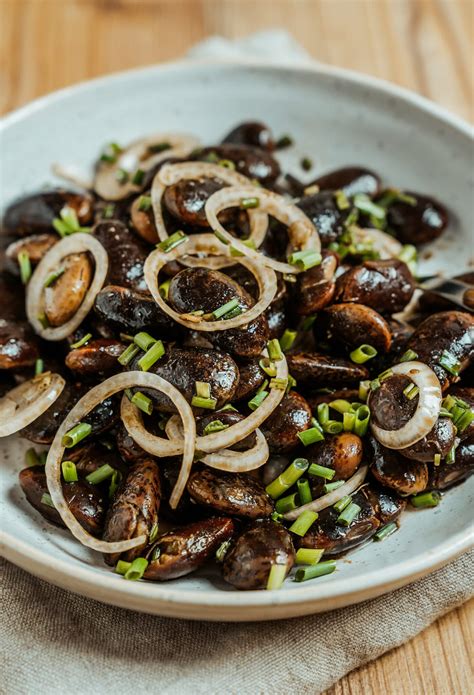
point(337, 118)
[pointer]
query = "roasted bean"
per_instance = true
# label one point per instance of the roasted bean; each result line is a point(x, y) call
point(98, 357)
point(127, 254)
point(18, 345)
point(448, 474)
point(342, 452)
point(35, 246)
point(229, 418)
point(185, 200)
point(322, 210)
point(394, 471)
point(291, 416)
point(144, 222)
point(63, 298)
point(350, 180)
point(315, 370)
point(251, 161)
point(387, 504)
point(251, 133)
point(438, 441)
point(386, 285)
point(34, 214)
point(352, 325)
point(251, 378)
point(315, 288)
point(417, 224)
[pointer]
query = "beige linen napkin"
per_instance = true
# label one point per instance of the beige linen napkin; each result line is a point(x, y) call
point(54, 642)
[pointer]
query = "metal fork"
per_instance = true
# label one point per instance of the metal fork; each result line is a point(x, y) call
point(456, 291)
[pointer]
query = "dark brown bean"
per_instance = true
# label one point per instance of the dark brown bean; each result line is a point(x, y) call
point(438, 441)
point(341, 452)
point(250, 161)
point(396, 472)
point(127, 254)
point(386, 285)
point(229, 418)
point(291, 416)
point(251, 378)
point(351, 180)
point(12, 306)
point(34, 214)
point(18, 345)
point(277, 318)
point(450, 331)
point(185, 549)
point(134, 510)
point(63, 298)
point(322, 210)
point(448, 474)
point(98, 357)
point(389, 406)
point(353, 325)
point(128, 448)
point(465, 393)
point(252, 133)
point(316, 370)
point(230, 493)
point(387, 504)
point(144, 222)
point(35, 246)
point(417, 224)
point(185, 200)
point(91, 455)
point(315, 288)
point(248, 563)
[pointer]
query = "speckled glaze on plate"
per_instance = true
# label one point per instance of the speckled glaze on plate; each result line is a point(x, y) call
point(336, 117)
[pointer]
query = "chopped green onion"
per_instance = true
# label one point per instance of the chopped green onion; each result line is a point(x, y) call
point(25, 266)
point(69, 471)
point(276, 576)
point(408, 253)
point(385, 375)
point(52, 277)
point(291, 383)
point(152, 355)
point(374, 384)
point(283, 142)
point(257, 400)
point(363, 353)
point(122, 567)
point(308, 556)
point(349, 514)
point(221, 551)
point(76, 435)
point(348, 422)
point(304, 491)
point(323, 413)
point(321, 471)
point(47, 500)
point(313, 571)
point(268, 366)
point(411, 391)
point(340, 405)
point(68, 222)
point(100, 474)
point(159, 147)
point(308, 322)
point(214, 426)
point(138, 177)
point(341, 504)
point(249, 203)
point(329, 487)
point(144, 340)
point(203, 389)
point(122, 176)
point(305, 259)
point(207, 403)
point(437, 459)
point(111, 152)
point(394, 195)
point(274, 350)
point(85, 339)
point(386, 531)
point(332, 427)
point(137, 569)
point(361, 424)
point(363, 203)
point(287, 340)
point(109, 211)
point(172, 242)
point(39, 366)
point(286, 504)
point(144, 203)
point(225, 309)
point(306, 164)
point(230, 407)
point(142, 402)
point(164, 289)
point(275, 516)
point(408, 356)
point(128, 354)
point(279, 383)
point(310, 436)
point(31, 458)
point(153, 533)
point(465, 420)
point(342, 200)
point(426, 499)
point(303, 523)
point(226, 163)
point(451, 455)
point(288, 478)
point(115, 481)
point(449, 362)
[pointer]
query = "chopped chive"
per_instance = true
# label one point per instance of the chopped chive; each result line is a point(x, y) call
point(408, 253)
point(153, 533)
point(465, 420)
point(225, 309)
point(115, 481)
point(214, 426)
point(288, 478)
point(159, 147)
point(137, 569)
point(274, 350)
point(362, 418)
point(321, 471)
point(138, 177)
point(47, 500)
point(275, 516)
point(340, 405)
point(69, 471)
point(291, 383)
point(363, 353)
point(306, 164)
point(394, 195)
point(257, 400)
point(426, 499)
point(85, 339)
point(451, 455)
point(172, 242)
point(323, 413)
point(52, 277)
point(207, 403)
point(76, 435)
point(408, 356)
point(100, 474)
point(143, 402)
point(329, 487)
point(249, 203)
point(122, 176)
point(308, 556)
point(287, 340)
point(144, 203)
point(332, 427)
point(276, 576)
point(279, 383)
point(305, 259)
point(268, 367)
point(303, 523)
point(287, 504)
point(341, 504)
point(203, 389)
point(144, 340)
point(363, 203)
point(31, 457)
point(221, 551)
point(386, 531)
point(437, 459)
point(385, 375)
point(25, 266)
point(68, 223)
point(164, 289)
point(308, 322)
point(342, 200)
point(39, 366)
point(283, 142)
point(122, 567)
point(304, 491)
point(128, 354)
point(411, 391)
point(349, 514)
point(228, 406)
point(152, 355)
point(449, 362)
point(310, 436)
point(374, 384)
point(109, 211)
point(313, 571)
point(226, 163)
point(348, 422)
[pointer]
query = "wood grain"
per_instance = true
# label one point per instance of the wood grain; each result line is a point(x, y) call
point(425, 45)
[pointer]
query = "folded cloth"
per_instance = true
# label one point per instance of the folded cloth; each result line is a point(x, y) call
point(55, 642)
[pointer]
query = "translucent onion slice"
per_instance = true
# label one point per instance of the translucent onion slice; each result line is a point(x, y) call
point(226, 459)
point(302, 233)
point(70, 173)
point(198, 243)
point(173, 173)
point(332, 497)
point(51, 261)
point(96, 395)
point(385, 244)
point(225, 439)
point(136, 156)
point(26, 402)
point(426, 413)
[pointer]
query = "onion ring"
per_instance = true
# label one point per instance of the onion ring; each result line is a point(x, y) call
point(134, 157)
point(266, 279)
point(302, 233)
point(427, 411)
point(26, 402)
point(332, 497)
point(83, 406)
point(76, 243)
point(210, 443)
point(385, 244)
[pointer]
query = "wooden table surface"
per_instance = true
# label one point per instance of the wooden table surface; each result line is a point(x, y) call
point(425, 45)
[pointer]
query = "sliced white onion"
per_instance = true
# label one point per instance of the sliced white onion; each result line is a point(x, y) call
point(302, 233)
point(385, 244)
point(225, 439)
point(198, 243)
point(76, 243)
point(332, 497)
point(71, 173)
point(426, 413)
point(96, 395)
point(136, 156)
point(26, 402)
point(226, 459)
